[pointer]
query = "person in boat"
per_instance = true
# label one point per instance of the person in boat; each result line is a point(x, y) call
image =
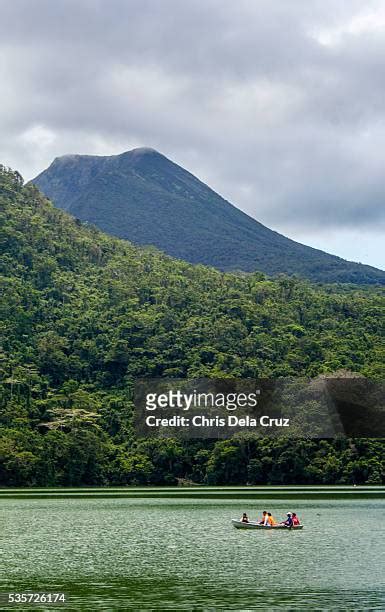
point(295, 519)
point(289, 520)
point(245, 518)
point(264, 518)
point(271, 520)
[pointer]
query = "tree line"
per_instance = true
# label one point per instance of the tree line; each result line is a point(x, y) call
point(84, 314)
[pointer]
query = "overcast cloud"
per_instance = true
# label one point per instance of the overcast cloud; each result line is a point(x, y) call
point(279, 106)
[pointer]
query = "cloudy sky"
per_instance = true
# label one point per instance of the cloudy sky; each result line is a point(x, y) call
point(279, 106)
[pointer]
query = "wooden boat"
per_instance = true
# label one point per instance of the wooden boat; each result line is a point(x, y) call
point(252, 525)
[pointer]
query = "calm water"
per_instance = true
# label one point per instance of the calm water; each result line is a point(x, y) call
point(183, 554)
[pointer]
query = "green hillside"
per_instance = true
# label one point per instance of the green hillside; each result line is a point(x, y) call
point(142, 196)
point(83, 314)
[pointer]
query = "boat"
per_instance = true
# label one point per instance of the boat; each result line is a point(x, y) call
point(253, 525)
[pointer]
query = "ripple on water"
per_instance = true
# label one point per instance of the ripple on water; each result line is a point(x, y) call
point(179, 554)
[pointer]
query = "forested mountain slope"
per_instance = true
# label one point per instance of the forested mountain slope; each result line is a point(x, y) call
point(142, 196)
point(83, 314)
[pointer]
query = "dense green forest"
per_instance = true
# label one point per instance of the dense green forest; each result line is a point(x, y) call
point(83, 314)
point(144, 197)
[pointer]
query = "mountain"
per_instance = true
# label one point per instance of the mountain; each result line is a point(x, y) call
point(84, 314)
point(144, 197)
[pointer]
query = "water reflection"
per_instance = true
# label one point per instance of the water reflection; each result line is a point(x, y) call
point(123, 554)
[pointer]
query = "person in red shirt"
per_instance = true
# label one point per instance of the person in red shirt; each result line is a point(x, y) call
point(295, 519)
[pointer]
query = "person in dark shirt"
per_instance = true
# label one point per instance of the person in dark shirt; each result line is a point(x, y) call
point(245, 518)
point(289, 520)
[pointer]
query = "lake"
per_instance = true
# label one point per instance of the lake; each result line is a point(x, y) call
point(134, 550)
